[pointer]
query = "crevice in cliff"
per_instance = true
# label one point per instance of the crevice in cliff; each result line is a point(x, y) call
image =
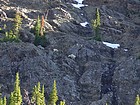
point(107, 84)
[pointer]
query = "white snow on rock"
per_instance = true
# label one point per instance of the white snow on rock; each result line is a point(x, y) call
point(125, 49)
point(111, 45)
point(72, 56)
point(79, 5)
point(84, 24)
point(55, 50)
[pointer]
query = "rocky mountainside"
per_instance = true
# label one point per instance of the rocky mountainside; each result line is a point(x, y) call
point(88, 72)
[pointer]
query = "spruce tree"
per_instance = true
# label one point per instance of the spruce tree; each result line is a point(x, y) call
point(38, 95)
point(137, 101)
point(17, 24)
point(16, 97)
point(42, 96)
point(62, 102)
point(53, 95)
point(4, 101)
point(13, 34)
point(11, 99)
point(38, 30)
point(37, 27)
point(96, 24)
point(98, 17)
point(1, 101)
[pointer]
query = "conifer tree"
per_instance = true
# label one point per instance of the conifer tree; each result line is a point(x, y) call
point(98, 17)
point(13, 34)
point(38, 95)
point(137, 102)
point(4, 100)
point(43, 97)
point(62, 102)
point(16, 97)
point(96, 24)
point(11, 100)
point(37, 27)
point(53, 95)
point(17, 23)
point(1, 101)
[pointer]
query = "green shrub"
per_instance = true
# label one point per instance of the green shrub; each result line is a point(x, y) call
point(10, 36)
point(13, 34)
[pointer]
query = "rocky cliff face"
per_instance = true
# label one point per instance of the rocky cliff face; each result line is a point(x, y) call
point(87, 71)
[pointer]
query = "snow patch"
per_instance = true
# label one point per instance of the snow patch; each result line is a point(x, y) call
point(72, 56)
point(84, 24)
point(125, 49)
point(110, 17)
point(111, 45)
point(55, 50)
point(79, 5)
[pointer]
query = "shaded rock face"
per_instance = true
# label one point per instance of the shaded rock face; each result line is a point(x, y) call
point(75, 82)
point(126, 78)
point(87, 71)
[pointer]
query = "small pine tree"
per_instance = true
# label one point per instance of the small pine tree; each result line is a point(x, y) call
point(1, 101)
point(62, 102)
point(98, 17)
point(37, 27)
point(4, 101)
point(16, 97)
point(13, 35)
point(42, 96)
point(17, 24)
point(53, 96)
point(38, 95)
point(137, 102)
point(96, 24)
point(11, 100)
point(38, 30)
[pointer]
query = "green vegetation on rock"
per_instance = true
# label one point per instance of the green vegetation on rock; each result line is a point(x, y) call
point(13, 34)
point(38, 30)
point(137, 101)
point(96, 24)
point(38, 95)
point(16, 97)
point(62, 102)
point(53, 96)
point(3, 101)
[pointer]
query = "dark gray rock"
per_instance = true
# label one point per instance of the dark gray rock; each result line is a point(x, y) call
point(127, 80)
point(87, 71)
point(27, 36)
